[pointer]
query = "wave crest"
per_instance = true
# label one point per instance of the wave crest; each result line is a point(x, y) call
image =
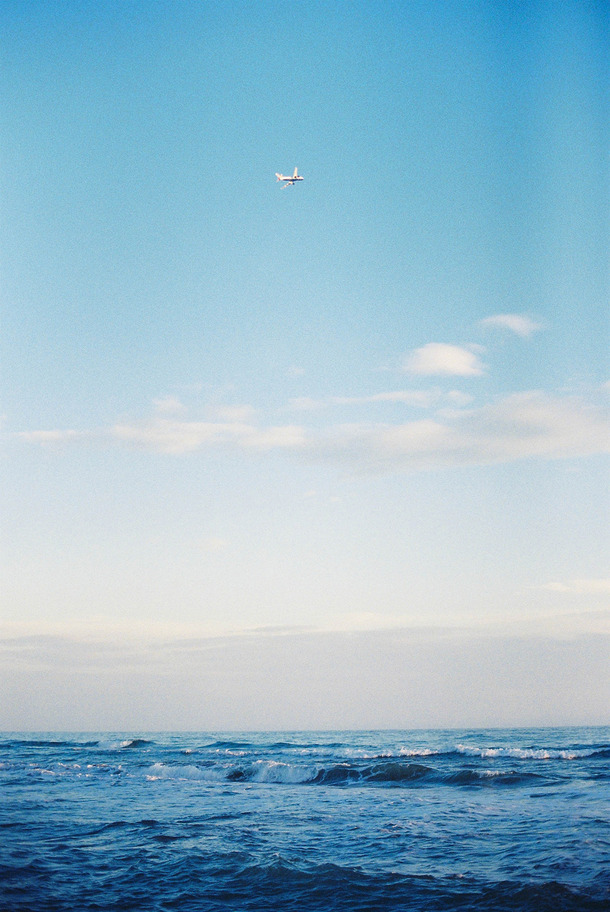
point(527, 753)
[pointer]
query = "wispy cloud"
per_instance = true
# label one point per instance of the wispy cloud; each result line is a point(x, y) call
point(580, 586)
point(166, 436)
point(54, 436)
point(415, 398)
point(519, 426)
point(437, 358)
point(520, 324)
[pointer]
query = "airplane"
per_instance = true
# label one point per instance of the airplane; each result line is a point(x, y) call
point(289, 180)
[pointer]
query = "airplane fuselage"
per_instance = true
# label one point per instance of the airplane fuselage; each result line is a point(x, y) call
point(289, 178)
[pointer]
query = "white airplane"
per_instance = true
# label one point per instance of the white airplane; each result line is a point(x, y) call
point(289, 180)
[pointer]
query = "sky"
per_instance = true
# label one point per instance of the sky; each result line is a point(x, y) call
point(325, 456)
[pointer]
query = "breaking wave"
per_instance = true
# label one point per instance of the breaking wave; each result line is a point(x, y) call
point(387, 773)
point(531, 753)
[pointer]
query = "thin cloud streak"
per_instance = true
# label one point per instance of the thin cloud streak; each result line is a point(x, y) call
point(107, 650)
point(520, 324)
point(415, 398)
point(580, 587)
point(175, 437)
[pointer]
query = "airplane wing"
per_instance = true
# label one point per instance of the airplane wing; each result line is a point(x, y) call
point(295, 172)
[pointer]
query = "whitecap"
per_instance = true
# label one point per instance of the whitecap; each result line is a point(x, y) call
point(164, 771)
point(275, 771)
point(521, 753)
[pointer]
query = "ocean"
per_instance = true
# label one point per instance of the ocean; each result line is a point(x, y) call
point(369, 820)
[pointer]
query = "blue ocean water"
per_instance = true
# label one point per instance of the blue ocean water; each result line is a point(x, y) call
point(411, 820)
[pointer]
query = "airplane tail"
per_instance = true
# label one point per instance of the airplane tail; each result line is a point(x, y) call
point(279, 177)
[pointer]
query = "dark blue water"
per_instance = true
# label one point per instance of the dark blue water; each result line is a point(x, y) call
point(426, 820)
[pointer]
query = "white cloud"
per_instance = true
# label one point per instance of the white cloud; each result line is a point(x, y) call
point(165, 436)
point(580, 587)
point(520, 426)
point(520, 324)
point(188, 436)
point(441, 359)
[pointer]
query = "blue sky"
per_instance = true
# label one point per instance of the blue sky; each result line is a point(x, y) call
point(362, 419)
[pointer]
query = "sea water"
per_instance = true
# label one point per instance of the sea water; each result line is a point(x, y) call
point(401, 820)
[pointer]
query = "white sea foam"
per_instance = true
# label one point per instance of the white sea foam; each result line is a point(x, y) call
point(113, 745)
point(275, 771)
point(520, 753)
point(363, 754)
point(117, 745)
point(272, 771)
point(163, 771)
point(407, 752)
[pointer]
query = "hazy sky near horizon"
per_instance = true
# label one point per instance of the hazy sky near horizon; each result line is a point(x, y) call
point(330, 455)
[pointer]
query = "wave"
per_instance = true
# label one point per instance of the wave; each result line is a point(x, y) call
point(531, 753)
point(318, 890)
point(492, 777)
point(135, 742)
point(244, 745)
point(110, 744)
point(241, 747)
point(484, 753)
point(165, 771)
point(47, 742)
point(235, 880)
point(395, 773)
point(387, 773)
point(602, 754)
point(380, 773)
point(238, 745)
point(124, 744)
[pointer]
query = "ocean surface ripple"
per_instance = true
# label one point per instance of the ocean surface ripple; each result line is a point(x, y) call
point(313, 821)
